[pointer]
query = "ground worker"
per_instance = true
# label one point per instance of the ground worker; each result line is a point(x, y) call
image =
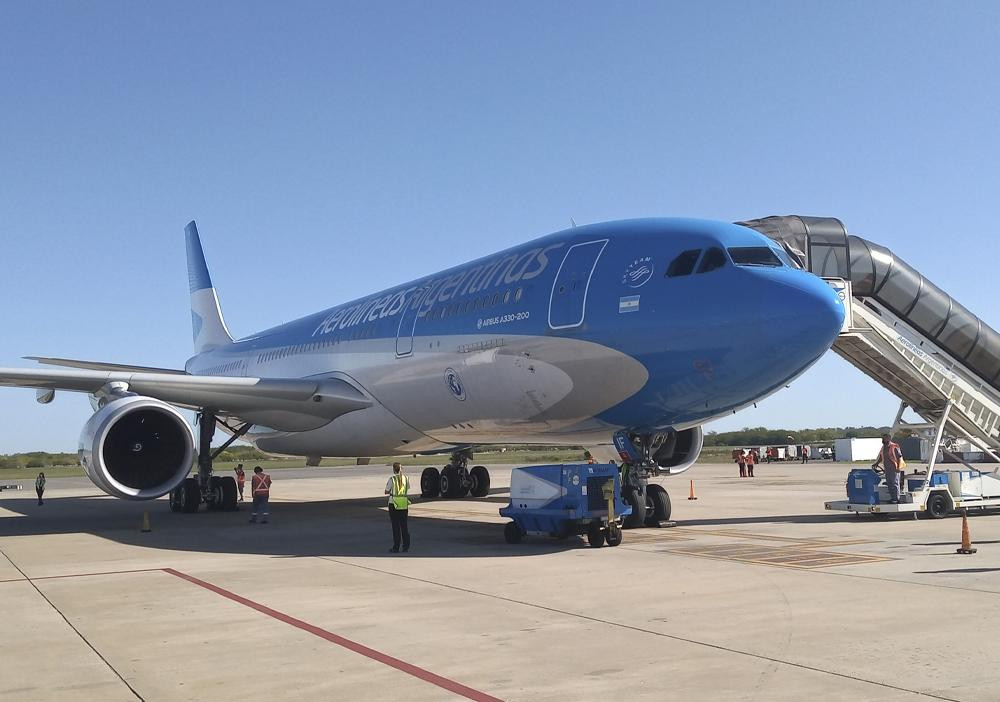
point(750, 459)
point(889, 457)
point(241, 478)
point(805, 454)
point(260, 491)
point(741, 461)
point(40, 487)
point(397, 488)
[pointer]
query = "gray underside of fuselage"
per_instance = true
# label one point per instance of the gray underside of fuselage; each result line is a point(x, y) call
point(509, 389)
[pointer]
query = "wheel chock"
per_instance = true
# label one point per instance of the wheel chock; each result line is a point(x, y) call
point(966, 547)
point(691, 495)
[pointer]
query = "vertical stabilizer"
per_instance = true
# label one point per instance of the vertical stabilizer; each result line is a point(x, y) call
point(208, 326)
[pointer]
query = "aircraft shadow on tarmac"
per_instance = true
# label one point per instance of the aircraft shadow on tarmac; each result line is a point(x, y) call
point(956, 570)
point(347, 527)
point(820, 518)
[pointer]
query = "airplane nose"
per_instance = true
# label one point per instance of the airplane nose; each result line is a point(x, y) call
point(812, 311)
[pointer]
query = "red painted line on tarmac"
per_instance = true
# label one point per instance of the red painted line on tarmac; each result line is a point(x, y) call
point(403, 666)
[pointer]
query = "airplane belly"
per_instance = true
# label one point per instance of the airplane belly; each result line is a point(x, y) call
point(373, 431)
point(484, 389)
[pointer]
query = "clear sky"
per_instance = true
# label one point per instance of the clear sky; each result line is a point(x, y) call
point(328, 150)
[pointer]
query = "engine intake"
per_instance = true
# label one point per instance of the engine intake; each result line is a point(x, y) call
point(136, 448)
point(680, 450)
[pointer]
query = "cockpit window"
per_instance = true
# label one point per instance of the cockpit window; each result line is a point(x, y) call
point(683, 264)
point(714, 258)
point(755, 256)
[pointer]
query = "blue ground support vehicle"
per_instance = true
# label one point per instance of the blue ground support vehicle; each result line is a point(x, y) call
point(563, 500)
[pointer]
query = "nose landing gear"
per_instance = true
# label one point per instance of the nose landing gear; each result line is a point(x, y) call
point(650, 502)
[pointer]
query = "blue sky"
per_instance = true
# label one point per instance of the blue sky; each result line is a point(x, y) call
point(329, 150)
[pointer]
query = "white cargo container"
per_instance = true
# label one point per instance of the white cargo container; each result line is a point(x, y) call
point(857, 449)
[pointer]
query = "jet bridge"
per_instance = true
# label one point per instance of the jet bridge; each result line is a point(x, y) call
point(904, 332)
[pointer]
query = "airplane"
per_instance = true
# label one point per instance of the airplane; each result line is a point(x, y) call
point(624, 337)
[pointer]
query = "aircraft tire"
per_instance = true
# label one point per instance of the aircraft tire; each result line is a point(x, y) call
point(450, 485)
point(480, 481)
point(430, 482)
point(215, 486)
point(659, 501)
point(230, 495)
point(190, 495)
point(175, 498)
point(638, 503)
point(595, 534)
point(512, 533)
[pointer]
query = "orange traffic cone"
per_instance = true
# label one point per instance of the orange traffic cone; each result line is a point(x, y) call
point(691, 495)
point(966, 539)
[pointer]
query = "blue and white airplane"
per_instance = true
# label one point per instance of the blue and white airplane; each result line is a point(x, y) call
point(641, 330)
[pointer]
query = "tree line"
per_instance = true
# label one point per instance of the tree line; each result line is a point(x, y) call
point(762, 436)
point(756, 436)
point(44, 459)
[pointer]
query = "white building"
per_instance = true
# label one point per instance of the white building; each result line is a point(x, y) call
point(857, 449)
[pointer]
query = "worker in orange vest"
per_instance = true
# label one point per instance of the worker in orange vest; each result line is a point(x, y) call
point(241, 478)
point(260, 490)
point(741, 461)
point(751, 459)
point(890, 457)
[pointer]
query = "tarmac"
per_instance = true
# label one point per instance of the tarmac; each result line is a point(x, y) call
point(756, 594)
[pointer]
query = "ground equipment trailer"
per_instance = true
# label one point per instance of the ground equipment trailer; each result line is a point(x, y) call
point(563, 500)
point(935, 494)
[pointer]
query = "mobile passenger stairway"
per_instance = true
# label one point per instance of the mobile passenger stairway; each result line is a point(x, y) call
point(917, 342)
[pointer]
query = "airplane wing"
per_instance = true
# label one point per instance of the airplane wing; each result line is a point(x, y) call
point(284, 404)
point(100, 365)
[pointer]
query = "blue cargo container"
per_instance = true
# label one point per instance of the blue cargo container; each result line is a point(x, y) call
point(862, 486)
point(562, 500)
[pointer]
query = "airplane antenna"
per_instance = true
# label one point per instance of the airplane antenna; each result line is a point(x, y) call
point(573, 222)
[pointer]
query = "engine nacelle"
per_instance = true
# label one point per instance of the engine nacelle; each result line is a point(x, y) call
point(680, 450)
point(137, 448)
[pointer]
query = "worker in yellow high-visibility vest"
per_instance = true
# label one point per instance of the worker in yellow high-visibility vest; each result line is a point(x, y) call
point(397, 488)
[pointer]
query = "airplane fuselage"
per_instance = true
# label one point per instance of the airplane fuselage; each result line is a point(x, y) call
point(640, 324)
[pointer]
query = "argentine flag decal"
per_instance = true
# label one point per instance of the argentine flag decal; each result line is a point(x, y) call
point(629, 303)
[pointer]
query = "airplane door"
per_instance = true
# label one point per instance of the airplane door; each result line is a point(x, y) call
point(408, 323)
point(568, 300)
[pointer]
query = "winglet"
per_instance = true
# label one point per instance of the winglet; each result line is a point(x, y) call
point(208, 327)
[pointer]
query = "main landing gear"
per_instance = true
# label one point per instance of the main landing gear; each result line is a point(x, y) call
point(650, 502)
point(218, 493)
point(456, 479)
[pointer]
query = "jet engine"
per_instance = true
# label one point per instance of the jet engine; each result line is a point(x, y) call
point(679, 450)
point(136, 448)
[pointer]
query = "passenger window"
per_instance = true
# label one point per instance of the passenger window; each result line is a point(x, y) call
point(714, 258)
point(683, 264)
point(754, 256)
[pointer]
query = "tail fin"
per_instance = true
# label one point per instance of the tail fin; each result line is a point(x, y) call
point(208, 326)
